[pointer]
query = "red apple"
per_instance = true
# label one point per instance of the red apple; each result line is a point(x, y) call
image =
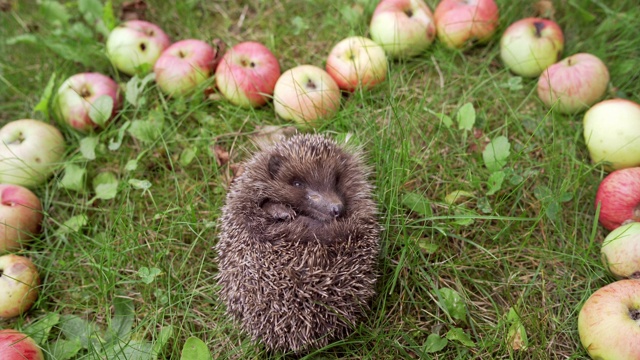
point(247, 74)
point(530, 45)
point(19, 281)
point(134, 44)
point(15, 345)
point(183, 66)
point(78, 94)
point(306, 94)
point(30, 150)
point(612, 133)
point(357, 62)
point(608, 322)
point(460, 21)
point(573, 84)
point(403, 27)
point(619, 198)
point(20, 216)
point(621, 251)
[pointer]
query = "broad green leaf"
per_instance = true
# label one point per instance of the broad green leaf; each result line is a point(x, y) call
point(496, 153)
point(139, 184)
point(91, 7)
point(135, 87)
point(73, 224)
point(105, 185)
point(108, 17)
point(162, 339)
point(428, 246)
point(39, 329)
point(466, 117)
point(62, 349)
point(22, 39)
point(114, 144)
point(101, 110)
point(495, 182)
point(123, 317)
point(74, 177)
point(88, 147)
point(148, 275)
point(435, 343)
point(75, 328)
point(131, 165)
point(517, 335)
point(457, 334)
point(299, 25)
point(187, 155)
point(148, 130)
point(43, 104)
point(54, 12)
point(451, 301)
point(195, 349)
point(417, 203)
point(457, 196)
point(464, 216)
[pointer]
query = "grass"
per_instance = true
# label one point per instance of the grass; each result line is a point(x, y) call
point(530, 244)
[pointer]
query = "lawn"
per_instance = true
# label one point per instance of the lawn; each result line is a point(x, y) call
point(517, 252)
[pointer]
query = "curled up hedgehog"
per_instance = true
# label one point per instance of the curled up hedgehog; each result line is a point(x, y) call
point(299, 244)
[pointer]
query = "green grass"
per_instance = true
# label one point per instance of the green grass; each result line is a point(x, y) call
point(532, 245)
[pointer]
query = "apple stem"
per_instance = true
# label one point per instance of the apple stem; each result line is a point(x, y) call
point(408, 12)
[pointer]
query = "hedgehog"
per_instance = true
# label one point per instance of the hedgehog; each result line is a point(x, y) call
point(298, 244)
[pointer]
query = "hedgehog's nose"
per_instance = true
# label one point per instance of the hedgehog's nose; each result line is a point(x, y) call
point(336, 209)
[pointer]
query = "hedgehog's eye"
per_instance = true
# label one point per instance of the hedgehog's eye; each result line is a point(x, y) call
point(297, 183)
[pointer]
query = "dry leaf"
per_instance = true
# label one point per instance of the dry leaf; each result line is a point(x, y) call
point(268, 135)
point(133, 10)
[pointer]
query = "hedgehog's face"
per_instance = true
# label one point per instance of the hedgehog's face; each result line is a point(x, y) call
point(311, 186)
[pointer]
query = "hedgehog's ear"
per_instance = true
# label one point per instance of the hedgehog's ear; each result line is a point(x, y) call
point(275, 162)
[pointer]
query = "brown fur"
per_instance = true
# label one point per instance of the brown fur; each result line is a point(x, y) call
point(298, 245)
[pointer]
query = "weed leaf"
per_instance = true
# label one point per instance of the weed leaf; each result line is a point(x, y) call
point(417, 203)
point(54, 12)
point(75, 328)
point(123, 317)
point(161, 341)
point(466, 117)
point(517, 335)
point(43, 104)
point(435, 343)
point(495, 182)
point(105, 185)
point(101, 110)
point(39, 330)
point(73, 224)
point(63, 349)
point(496, 153)
point(452, 303)
point(457, 334)
point(195, 349)
point(74, 178)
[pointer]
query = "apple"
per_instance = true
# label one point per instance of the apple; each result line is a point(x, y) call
point(612, 133)
point(78, 94)
point(306, 94)
point(609, 321)
point(530, 45)
point(460, 21)
point(621, 251)
point(19, 281)
point(247, 74)
point(357, 62)
point(20, 216)
point(15, 345)
point(619, 198)
point(30, 150)
point(183, 66)
point(135, 43)
point(574, 83)
point(403, 27)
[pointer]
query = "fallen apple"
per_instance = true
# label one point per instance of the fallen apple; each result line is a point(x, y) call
point(15, 345)
point(20, 216)
point(81, 93)
point(608, 322)
point(459, 22)
point(357, 62)
point(621, 251)
point(30, 150)
point(574, 83)
point(136, 45)
point(612, 133)
point(183, 66)
point(403, 28)
point(306, 94)
point(530, 45)
point(19, 281)
point(247, 74)
point(618, 196)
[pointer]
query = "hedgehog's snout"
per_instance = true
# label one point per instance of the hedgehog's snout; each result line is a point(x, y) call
point(328, 204)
